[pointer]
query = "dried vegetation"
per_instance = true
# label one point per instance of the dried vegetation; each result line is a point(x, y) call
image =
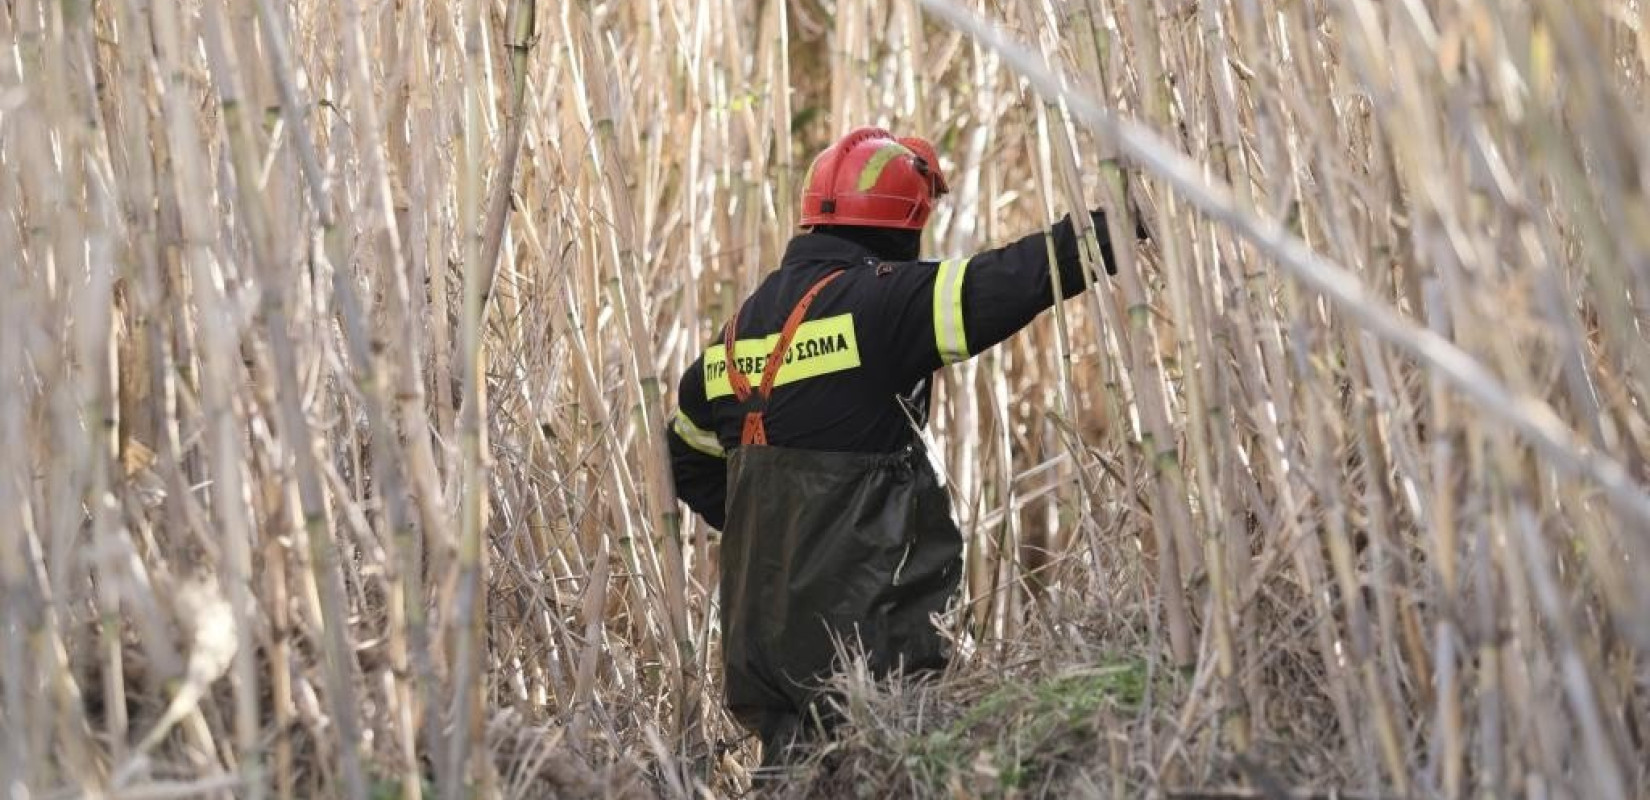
point(337, 340)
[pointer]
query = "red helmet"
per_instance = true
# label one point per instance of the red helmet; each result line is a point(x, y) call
point(870, 178)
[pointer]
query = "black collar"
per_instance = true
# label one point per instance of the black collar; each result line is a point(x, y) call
point(812, 249)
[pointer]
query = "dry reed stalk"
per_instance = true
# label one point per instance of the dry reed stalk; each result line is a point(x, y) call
point(1151, 405)
point(1054, 145)
point(236, 567)
point(461, 770)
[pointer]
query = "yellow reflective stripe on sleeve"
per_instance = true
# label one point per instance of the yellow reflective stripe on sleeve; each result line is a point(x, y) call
point(698, 438)
point(820, 347)
point(879, 160)
point(949, 336)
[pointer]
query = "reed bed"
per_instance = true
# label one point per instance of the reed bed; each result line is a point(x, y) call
point(338, 340)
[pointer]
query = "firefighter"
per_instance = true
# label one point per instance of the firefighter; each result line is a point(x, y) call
point(795, 432)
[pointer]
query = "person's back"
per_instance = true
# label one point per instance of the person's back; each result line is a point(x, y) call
point(843, 372)
point(834, 524)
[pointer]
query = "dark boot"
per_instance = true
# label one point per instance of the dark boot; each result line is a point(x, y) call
point(782, 735)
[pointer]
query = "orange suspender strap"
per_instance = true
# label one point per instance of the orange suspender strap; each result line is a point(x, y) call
point(755, 432)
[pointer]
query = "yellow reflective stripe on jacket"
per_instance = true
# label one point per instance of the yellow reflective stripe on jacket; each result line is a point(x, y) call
point(820, 347)
point(698, 438)
point(873, 168)
point(949, 335)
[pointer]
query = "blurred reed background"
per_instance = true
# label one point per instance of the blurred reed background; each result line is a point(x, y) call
point(338, 340)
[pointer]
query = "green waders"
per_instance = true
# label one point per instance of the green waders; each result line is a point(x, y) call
point(824, 546)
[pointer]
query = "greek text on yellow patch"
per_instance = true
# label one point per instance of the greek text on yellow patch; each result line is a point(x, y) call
point(820, 347)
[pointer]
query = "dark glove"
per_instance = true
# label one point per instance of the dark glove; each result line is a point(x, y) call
point(1102, 234)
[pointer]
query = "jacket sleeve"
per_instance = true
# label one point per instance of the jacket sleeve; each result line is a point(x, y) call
point(698, 464)
point(962, 307)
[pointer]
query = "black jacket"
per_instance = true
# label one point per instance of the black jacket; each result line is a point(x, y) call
point(862, 362)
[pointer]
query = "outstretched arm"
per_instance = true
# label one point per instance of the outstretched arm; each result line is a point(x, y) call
point(698, 464)
point(964, 306)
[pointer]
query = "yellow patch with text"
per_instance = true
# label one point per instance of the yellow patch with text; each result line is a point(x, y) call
point(820, 347)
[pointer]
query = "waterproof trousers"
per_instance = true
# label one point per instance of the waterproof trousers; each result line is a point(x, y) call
point(823, 547)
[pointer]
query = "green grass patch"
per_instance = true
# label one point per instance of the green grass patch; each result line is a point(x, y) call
point(1018, 735)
